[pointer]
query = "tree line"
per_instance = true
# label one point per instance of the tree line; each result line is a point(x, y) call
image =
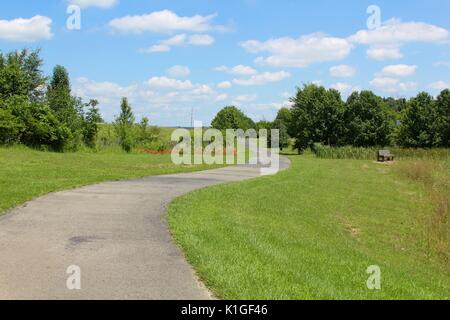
point(42, 112)
point(319, 115)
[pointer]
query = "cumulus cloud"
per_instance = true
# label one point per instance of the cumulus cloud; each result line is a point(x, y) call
point(239, 70)
point(179, 40)
point(300, 52)
point(262, 78)
point(384, 53)
point(398, 70)
point(178, 71)
point(164, 21)
point(201, 40)
point(224, 85)
point(164, 96)
point(439, 85)
point(246, 98)
point(104, 4)
point(392, 85)
point(221, 97)
point(342, 71)
point(385, 41)
point(442, 64)
point(165, 82)
point(26, 30)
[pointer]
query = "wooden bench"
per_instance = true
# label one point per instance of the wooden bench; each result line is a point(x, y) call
point(385, 155)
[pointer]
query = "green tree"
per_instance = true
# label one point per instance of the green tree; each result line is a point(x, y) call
point(232, 118)
point(21, 75)
point(66, 107)
point(10, 127)
point(124, 126)
point(282, 123)
point(443, 121)
point(421, 123)
point(91, 121)
point(39, 126)
point(367, 120)
point(316, 117)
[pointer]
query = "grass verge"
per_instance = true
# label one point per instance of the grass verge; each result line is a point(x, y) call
point(311, 232)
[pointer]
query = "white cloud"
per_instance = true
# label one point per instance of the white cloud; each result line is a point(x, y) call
point(104, 4)
point(179, 40)
point(442, 64)
point(341, 86)
point(342, 71)
point(398, 70)
point(26, 30)
point(221, 97)
point(178, 71)
point(162, 22)
point(396, 32)
point(239, 70)
point(385, 41)
point(301, 52)
point(246, 98)
point(392, 85)
point(384, 53)
point(439, 85)
point(106, 92)
point(164, 82)
point(168, 98)
point(201, 40)
point(224, 85)
point(263, 78)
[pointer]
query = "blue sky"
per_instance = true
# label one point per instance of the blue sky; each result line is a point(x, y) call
point(168, 56)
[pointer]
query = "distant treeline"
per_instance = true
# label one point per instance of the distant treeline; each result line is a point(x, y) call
point(41, 112)
point(319, 115)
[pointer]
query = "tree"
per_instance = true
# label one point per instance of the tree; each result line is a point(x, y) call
point(282, 123)
point(91, 120)
point(38, 125)
point(443, 121)
point(232, 118)
point(66, 108)
point(316, 117)
point(421, 123)
point(367, 121)
point(124, 126)
point(21, 75)
point(10, 127)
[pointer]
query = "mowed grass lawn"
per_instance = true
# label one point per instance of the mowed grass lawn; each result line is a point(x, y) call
point(311, 233)
point(26, 173)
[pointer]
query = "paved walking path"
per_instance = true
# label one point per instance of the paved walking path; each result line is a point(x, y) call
point(115, 232)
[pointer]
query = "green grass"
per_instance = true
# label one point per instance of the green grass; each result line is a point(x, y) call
point(311, 232)
point(26, 173)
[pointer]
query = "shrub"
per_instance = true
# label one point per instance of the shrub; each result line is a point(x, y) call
point(10, 127)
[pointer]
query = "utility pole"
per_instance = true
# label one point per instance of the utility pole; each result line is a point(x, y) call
point(192, 117)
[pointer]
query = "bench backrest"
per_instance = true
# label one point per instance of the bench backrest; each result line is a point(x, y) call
point(384, 153)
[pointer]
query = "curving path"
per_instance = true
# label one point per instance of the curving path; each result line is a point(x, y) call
point(115, 232)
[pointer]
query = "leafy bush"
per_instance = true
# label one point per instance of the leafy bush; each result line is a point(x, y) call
point(10, 127)
point(39, 126)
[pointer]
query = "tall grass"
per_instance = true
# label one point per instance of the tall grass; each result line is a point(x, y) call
point(355, 153)
point(359, 153)
point(435, 177)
